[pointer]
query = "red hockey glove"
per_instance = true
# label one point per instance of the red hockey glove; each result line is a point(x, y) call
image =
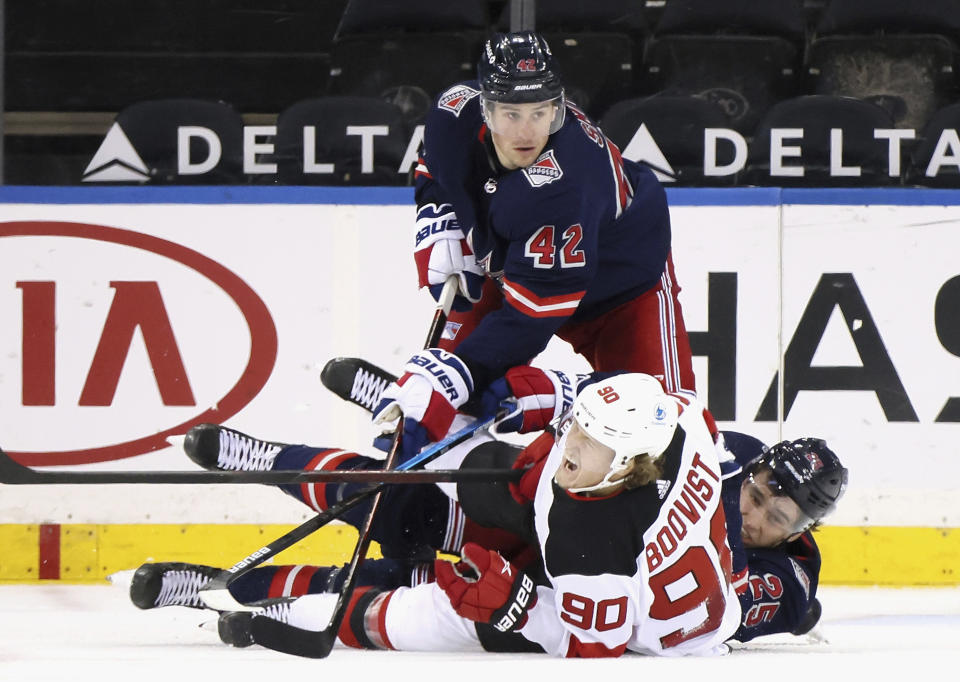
point(435, 383)
point(441, 251)
point(541, 395)
point(532, 458)
point(486, 588)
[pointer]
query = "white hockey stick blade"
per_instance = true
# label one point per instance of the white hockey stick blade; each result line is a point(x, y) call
point(222, 600)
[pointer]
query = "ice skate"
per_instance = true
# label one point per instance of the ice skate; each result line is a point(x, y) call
point(216, 447)
point(169, 584)
point(234, 626)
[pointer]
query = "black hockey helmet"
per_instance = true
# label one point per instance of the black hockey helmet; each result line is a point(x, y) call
point(518, 67)
point(806, 471)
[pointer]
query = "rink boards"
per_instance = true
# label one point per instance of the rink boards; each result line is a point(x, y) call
point(131, 313)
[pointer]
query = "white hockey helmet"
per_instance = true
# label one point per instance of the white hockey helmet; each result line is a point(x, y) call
point(630, 414)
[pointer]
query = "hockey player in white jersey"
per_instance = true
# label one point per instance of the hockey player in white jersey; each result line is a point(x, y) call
point(630, 527)
point(627, 515)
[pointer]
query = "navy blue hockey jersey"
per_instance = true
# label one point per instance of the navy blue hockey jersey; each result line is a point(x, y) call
point(574, 235)
point(782, 581)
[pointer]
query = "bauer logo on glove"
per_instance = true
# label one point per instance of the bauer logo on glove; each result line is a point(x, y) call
point(442, 251)
point(485, 588)
point(516, 611)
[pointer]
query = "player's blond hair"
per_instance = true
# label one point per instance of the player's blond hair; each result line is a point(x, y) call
point(643, 471)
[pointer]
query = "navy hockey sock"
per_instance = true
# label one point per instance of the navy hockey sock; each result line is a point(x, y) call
point(285, 581)
point(320, 496)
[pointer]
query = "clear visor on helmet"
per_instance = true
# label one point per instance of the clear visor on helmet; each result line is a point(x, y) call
point(779, 510)
point(530, 118)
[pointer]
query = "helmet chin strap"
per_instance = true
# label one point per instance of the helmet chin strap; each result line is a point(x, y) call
point(606, 482)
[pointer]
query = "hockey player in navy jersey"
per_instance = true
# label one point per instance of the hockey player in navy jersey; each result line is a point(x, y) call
point(550, 231)
point(782, 492)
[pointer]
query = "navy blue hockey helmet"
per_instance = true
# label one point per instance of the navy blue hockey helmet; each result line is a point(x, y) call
point(806, 471)
point(518, 67)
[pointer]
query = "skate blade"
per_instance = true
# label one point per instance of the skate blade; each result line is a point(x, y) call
point(122, 578)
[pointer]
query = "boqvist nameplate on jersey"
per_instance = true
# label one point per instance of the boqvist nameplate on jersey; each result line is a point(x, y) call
point(544, 170)
point(456, 98)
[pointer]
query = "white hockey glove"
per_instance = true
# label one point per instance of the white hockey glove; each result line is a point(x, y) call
point(441, 251)
point(434, 384)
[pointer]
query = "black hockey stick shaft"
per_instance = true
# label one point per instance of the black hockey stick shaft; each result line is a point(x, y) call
point(216, 595)
point(13, 473)
point(318, 644)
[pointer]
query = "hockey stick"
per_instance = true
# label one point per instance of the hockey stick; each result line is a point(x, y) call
point(14, 473)
point(216, 595)
point(288, 639)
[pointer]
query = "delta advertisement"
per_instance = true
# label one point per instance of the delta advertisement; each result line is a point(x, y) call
point(130, 315)
point(198, 151)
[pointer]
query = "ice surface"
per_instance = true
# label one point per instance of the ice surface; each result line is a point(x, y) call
point(83, 632)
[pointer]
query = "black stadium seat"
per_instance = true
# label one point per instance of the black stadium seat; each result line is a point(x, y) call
point(597, 68)
point(99, 81)
point(416, 16)
point(329, 118)
point(784, 18)
point(900, 55)
point(151, 127)
point(868, 16)
point(744, 75)
point(677, 126)
point(816, 115)
point(424, 65)
point(614, 16)
point(940, 136)
point(741, 54)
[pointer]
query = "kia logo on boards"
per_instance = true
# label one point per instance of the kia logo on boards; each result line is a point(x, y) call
point(138, 317)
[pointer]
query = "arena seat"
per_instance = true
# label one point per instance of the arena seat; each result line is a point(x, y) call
point(604, 16)
point(151, 127)
point(415, 16)
point(815, 115)
point(940, 135)
point(744, 75)
point(597, 68)
point(172, 26)
point(329, 118)
point(677, 126)
point(784, 18)
point(898, 54)
point(98, 81)
point(374, 65)
point(890, 16)
point(742, 55)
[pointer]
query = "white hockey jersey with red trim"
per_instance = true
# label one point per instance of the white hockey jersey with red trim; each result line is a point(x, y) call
point(647, 569)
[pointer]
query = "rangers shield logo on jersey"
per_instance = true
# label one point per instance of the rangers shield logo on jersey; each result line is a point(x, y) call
point(544, 170)
point(456, 98)
point(802, 577)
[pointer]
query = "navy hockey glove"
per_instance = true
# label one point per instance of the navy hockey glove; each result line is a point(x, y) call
point(441, 251)
point(486, 588)
point(541, 396)
point(434, 384)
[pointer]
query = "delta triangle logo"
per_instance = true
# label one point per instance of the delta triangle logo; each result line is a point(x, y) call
point(644, 149)
point(116, 160)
